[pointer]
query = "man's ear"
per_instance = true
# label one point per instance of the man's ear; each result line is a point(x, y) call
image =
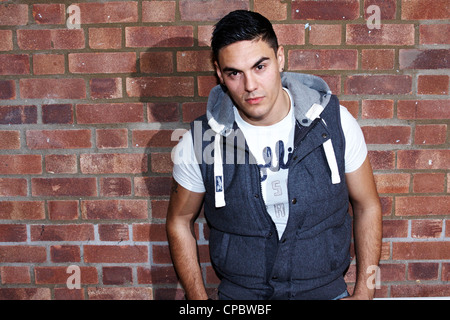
point(219, 72)
point(280, 58)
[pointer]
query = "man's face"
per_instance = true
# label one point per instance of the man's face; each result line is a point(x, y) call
point(251, 72)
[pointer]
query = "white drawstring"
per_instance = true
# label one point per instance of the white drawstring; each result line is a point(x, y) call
point(218, 173)
point(332, 163)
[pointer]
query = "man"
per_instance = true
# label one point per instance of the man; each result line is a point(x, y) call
point(276, 203)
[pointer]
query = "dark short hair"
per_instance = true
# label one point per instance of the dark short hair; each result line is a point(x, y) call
point(241, 25)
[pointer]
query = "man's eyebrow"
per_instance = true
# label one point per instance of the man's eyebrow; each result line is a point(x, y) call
point(229, 69)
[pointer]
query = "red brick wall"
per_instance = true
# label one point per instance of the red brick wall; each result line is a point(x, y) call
point(86, 117)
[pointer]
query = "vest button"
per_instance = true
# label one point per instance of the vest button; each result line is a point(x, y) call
point(256, 196)
point(274, 278)
point(294, 201)
point(324, 135)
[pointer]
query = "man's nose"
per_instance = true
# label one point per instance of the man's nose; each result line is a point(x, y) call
point(250, 83)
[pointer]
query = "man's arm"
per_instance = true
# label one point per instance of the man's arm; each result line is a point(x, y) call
point(184, 206)
point(367, 227)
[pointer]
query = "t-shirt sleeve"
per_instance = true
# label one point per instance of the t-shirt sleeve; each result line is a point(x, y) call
point(186, 170)
point(355, 145)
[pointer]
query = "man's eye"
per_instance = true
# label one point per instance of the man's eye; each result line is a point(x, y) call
point(260, 67)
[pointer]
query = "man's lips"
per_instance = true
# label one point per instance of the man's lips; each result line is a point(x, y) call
point(254, 100)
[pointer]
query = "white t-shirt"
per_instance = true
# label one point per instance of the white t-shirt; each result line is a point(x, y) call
point(267, 144)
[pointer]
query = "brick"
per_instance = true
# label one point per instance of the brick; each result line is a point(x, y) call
point(120, 293)
point(209, 10)
point(14, 64)
point(423, 109)
point(108, 12)
point(13, 233)
point(107, 62)
point(160, 87)
point(336, 59)
point(156, 62)
point(158, 11)
point(115, 187)
point(25, 294)
point(72, 88)
point(11, 187)
point(194, 61)
point(161, 254)
point(325, 34)
point(425, 229)
point(13, 14)
point(20, 164)
point(157, 275)
point(152, 138)
point(378, 84)
point(392, 182)
point(117, 275)
point(7, 89)
point(388, 8)
point(325, 10)
point(61, 163)
point(424, 58)
point(377, 109)
point(152, 186)
point(15, 274)
point(62, 209)
point(9, 139)
point(110, 113)
point(65, 253)
point(434, 34)
point(432, 84)
point(387, 134)
point(395, 229)
point(59, 275)
point(112, 138)
point(388, 34)
point(105, 38)
point(161, 162)
point(106, 88)
point(192, 110)
point(57, 114)
point(159, 208)
point(423, 271)
point(162, 112)
point(18, 114)
point(205, 84)
point(49, 13)
point(113, 232)
point(58, 139)
point(22, 210)
point(382, 160)
point(204, 35)
point(113, 163)
point(6, 43)
point(423, 159)
point(64, 187)
point(421, 250)
point(271, 9)
point(48, 64)
point(66, 232)
point(445, 271)
point(430, 134)
point(377, 59)
point(422, 205)
point(392, 272)
point(48, 39)
point(169, 36)
point(429, 182)
point(22, 254)
point(114, 209)
point(115, 254)
point(289, 34)
point(424, 9)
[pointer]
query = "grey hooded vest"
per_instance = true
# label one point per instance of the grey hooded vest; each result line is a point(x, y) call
point(310, 258)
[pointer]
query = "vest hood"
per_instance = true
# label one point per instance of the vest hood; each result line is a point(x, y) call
point(311, 95)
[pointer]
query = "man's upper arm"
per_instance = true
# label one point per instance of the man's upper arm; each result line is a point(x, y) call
point(183, 203)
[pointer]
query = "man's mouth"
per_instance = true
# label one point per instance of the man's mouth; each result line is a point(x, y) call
point(254, 100)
